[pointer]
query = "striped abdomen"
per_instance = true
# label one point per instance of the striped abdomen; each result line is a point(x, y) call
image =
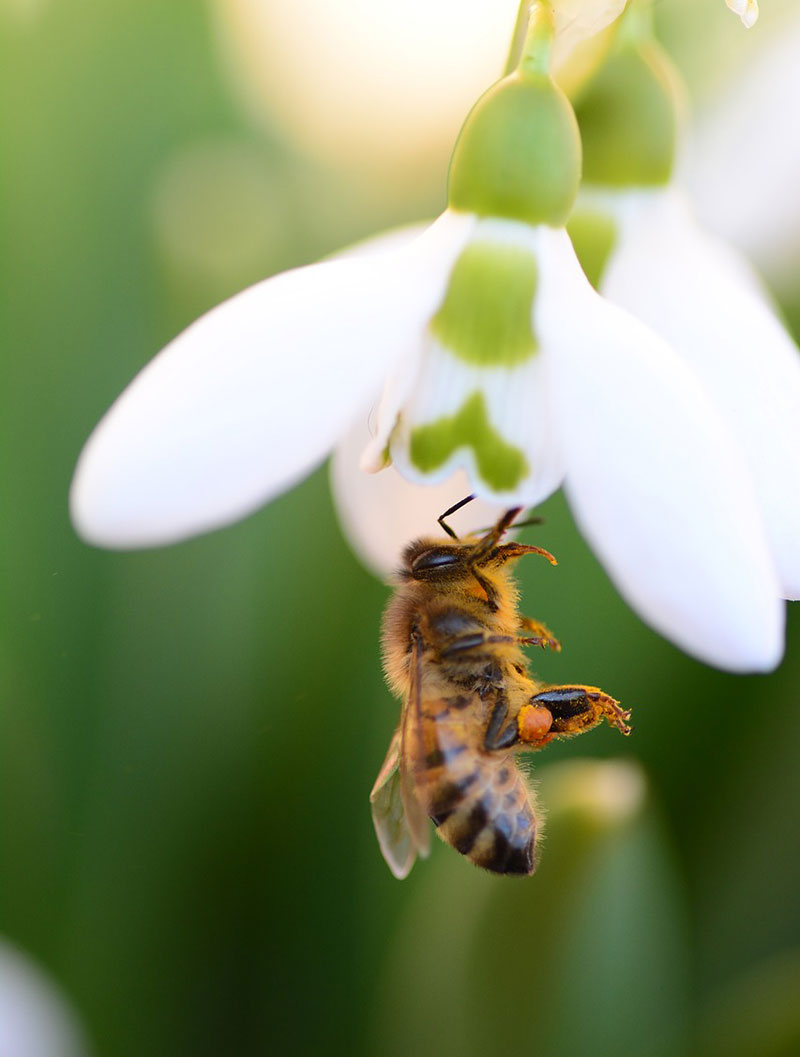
point(477, 799)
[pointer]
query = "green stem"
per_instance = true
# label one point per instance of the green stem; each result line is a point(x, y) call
point(518, 39)
point(537, 52)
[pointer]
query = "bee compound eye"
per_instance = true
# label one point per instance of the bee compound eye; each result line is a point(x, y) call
point(434, 559)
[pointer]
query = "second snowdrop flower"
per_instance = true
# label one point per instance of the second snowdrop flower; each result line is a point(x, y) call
point(643, 250)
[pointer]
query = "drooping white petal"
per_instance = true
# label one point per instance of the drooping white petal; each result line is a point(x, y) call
point(654, 477)
point(385, 241)
point(382, 512)
point(698, 293)
point(254, 394)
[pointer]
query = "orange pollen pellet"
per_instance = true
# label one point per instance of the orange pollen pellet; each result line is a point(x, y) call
point(534, 722)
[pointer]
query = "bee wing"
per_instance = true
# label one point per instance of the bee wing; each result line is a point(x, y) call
point(412, 738)
point(389, 814)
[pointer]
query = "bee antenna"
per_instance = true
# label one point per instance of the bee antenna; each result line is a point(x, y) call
point(452, 510)
point(535, 519)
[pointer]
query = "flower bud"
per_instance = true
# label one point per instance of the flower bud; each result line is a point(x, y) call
point(629, 117)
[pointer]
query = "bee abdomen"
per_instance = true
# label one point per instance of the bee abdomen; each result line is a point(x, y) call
point(491, 824)
point(478, 801)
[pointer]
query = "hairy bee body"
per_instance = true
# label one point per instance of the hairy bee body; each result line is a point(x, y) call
point(477, 799)
point(452, 638)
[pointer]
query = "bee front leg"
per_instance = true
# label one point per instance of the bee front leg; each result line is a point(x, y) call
point(542, 635)
point(487, 586)
point(575, 709)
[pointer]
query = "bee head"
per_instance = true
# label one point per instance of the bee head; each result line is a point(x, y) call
point(446, 562)
point(436, 560)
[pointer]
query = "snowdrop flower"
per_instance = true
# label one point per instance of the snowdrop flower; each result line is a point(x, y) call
point(499, 360)
point(645, 252)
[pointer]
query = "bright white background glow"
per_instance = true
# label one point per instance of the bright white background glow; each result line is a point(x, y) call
point(367, 83)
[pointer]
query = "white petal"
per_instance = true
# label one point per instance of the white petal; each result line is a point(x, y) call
point(254, 394)
point(515, 399)
point(577, 20)
point(382, 512)
point(385, 242)
point(698, 294)
point(744, 156)
point(654, 478)
point(398, 387)
point(518, 410)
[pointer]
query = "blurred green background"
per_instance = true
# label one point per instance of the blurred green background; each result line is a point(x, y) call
point(188, 736)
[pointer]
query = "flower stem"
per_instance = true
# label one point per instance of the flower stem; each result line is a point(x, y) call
point(518, 38)
point(532, 43)
point(537, 52)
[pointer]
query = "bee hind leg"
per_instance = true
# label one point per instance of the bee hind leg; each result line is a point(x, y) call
point(578, 708)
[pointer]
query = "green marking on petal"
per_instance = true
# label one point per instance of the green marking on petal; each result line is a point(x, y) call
point(486, 317)
point(594, 235)
point(501, 465)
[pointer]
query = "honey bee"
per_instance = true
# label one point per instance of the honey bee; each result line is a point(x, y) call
point(452, 638)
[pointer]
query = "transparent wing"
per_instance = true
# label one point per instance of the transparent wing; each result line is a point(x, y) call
point(412, 747)
point(389, 814)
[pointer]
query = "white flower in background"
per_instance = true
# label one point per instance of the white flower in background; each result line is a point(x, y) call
point(499, 359)
point(742, 165)
point(702, 297)
point(747, 10)
point(35, 1019)
point(644, 251)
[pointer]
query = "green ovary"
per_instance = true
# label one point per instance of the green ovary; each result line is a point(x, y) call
point(486, 316)
point(501, 465)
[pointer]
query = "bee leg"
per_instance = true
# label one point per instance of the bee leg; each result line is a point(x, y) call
point(543, 636)
point(474, 641)
point(484, 546)
point(499, 733)
point(494, 535)
point(579, 708)
point(488, 588)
